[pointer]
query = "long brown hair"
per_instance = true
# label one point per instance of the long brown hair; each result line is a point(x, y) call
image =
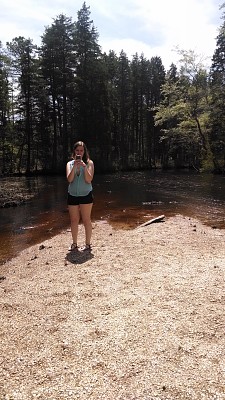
point(86, 156)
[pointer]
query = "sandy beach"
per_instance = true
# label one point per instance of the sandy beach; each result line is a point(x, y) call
point(140, 317)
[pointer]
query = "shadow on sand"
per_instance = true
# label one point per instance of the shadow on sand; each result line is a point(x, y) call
point(79, 257)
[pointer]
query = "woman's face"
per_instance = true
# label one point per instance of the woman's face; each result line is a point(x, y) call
point(79, 151)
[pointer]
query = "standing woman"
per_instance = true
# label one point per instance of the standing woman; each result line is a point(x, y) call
point(80, 172)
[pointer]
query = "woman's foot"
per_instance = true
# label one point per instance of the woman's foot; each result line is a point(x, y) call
point(73, 247)
point(87, 247)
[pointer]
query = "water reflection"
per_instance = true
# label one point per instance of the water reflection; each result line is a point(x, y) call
point(123, 199)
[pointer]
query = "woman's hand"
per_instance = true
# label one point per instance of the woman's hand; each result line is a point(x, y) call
point(82, 163)
point(77, 164)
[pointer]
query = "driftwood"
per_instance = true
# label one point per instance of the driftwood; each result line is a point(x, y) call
point(160, 218)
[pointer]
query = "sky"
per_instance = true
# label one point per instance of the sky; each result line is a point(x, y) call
point(149, 27)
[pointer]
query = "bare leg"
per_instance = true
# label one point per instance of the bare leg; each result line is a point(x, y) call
point(74, 212)
point(85, 210)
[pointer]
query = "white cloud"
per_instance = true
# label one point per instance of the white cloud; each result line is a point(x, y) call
point(188, 24)
point(143, 26)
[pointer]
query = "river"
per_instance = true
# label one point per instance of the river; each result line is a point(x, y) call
point(124, 199)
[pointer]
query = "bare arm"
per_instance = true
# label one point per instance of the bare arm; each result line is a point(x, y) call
point(89, 171)
point(70, 173)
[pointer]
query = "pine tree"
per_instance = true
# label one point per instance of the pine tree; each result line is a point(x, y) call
point(217, 116)
point(6, 163)
point(23, 66)
point(58, 68)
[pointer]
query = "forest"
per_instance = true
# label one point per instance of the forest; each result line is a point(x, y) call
point(132, 114)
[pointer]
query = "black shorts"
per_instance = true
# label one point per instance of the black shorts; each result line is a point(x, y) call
point(76, 200)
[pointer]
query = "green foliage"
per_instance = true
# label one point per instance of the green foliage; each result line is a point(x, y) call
point(183, 114)
point(217, 102)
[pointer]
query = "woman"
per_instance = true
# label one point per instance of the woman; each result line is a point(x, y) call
point(80, 172)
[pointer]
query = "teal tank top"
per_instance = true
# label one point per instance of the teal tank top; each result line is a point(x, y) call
point(79, 187)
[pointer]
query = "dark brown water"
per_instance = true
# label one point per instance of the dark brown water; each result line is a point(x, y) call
point(123, 199)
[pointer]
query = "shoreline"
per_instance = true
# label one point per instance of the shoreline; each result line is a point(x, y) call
point(141, 316)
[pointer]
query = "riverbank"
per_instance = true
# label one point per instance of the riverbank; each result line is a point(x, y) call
point(140, 317)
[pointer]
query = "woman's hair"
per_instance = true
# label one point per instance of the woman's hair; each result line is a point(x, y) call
point(86, 153)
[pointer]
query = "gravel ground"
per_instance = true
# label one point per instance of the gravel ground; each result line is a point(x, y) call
point(141, 316)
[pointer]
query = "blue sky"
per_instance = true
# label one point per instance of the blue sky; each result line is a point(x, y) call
point(151, 27)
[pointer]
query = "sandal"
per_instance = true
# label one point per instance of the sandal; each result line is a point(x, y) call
point(86, 247)
point(73, 247)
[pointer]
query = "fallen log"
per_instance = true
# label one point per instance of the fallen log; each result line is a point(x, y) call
point(160, 218)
